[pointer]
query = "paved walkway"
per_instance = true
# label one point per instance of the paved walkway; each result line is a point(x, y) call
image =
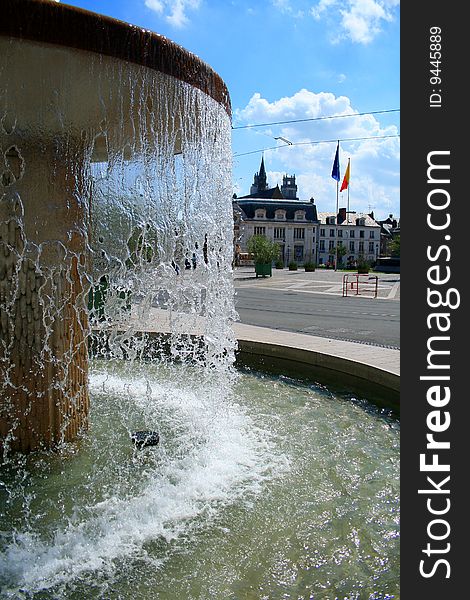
point(321, 281)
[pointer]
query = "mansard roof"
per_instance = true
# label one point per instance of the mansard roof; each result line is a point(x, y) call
point(368, 220)
point(249, 204)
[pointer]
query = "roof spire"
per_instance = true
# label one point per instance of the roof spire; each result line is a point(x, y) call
point(262, 179)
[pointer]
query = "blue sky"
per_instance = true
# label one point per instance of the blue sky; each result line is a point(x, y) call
point(297, 59)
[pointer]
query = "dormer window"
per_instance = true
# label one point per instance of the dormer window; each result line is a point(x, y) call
point(280, 215)
point(330, 220)
point(299, 215)
point(260, 213)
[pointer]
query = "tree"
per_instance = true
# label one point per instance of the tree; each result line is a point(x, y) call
point(395, 246)
point(341, 250)
point(264, 251)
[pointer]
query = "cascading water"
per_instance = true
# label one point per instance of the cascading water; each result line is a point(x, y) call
point(116, 302)
point(115, 179)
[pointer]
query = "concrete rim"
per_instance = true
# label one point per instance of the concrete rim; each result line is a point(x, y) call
point(63, 25)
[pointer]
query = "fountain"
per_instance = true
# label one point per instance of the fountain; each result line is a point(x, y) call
point(115, 218)
point(80, 90)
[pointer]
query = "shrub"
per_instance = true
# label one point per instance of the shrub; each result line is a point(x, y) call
point(293, 266)
point(310, 266)
point(279, 264)
point(363, 265)
point(264, 251)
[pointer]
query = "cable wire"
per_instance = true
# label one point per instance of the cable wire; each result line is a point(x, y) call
point(375, 112)
point(373, 137)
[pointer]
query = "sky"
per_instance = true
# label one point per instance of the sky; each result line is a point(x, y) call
point(291, 60)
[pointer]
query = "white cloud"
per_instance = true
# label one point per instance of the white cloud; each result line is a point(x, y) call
point(374, 162)
point(286, 7)
point(154, 5)
point(360, 20)
point(174, 11)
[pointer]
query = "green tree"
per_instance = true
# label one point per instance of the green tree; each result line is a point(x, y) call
point(395, 246)
point(264, 251)
point(341, 251)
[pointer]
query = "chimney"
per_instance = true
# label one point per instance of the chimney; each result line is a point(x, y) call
point(341, 215)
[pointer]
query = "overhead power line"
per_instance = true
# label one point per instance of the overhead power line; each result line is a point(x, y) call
point(374, 112)
point(372, 137)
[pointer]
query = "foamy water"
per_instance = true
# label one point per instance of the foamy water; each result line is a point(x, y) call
point(217, 455)
point(237, 482)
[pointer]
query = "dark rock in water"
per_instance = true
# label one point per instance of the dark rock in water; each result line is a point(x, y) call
point(142, 439)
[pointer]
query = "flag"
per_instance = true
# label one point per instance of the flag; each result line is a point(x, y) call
point(335, 172)
point(345, 183)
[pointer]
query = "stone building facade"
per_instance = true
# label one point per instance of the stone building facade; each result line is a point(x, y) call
point(359, 233)
point(303, 234)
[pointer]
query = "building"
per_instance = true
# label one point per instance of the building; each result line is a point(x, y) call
point(279, 215)
point(303, 234)
point(359, 233)
point(390, 229)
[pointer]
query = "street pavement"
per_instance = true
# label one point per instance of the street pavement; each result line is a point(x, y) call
point(322, 303)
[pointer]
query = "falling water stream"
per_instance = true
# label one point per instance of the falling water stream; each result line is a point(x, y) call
point(260, 487)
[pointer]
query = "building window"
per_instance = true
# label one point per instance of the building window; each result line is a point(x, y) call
point(298, 253)
point(331, 244)
point(299, 233)
point(372, 234)
point(322, 245)
point(322, 233)
point(361, 246)
point(332, 233)
point(351, 233)
point(361, 233)
point(279, 233)
point(351, 246)
point(340, 233)
point(260, 213)
point(260, 230)
point(371, 246)
point(299, 215)
point(280, 215)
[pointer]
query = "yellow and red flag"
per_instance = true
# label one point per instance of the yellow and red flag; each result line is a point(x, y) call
point(345, 183)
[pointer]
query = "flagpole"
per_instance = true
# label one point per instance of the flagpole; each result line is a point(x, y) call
point(349, 172)
point(336, 175)
point(336, 221)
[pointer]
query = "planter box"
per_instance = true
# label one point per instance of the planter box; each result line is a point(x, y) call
point(265, 270)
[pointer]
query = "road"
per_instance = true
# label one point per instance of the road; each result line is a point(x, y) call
point(359, 319)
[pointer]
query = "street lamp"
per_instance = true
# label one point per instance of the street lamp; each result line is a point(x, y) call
point(283, 139)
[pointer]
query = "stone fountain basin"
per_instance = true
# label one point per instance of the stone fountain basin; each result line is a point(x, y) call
point(369, 371)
